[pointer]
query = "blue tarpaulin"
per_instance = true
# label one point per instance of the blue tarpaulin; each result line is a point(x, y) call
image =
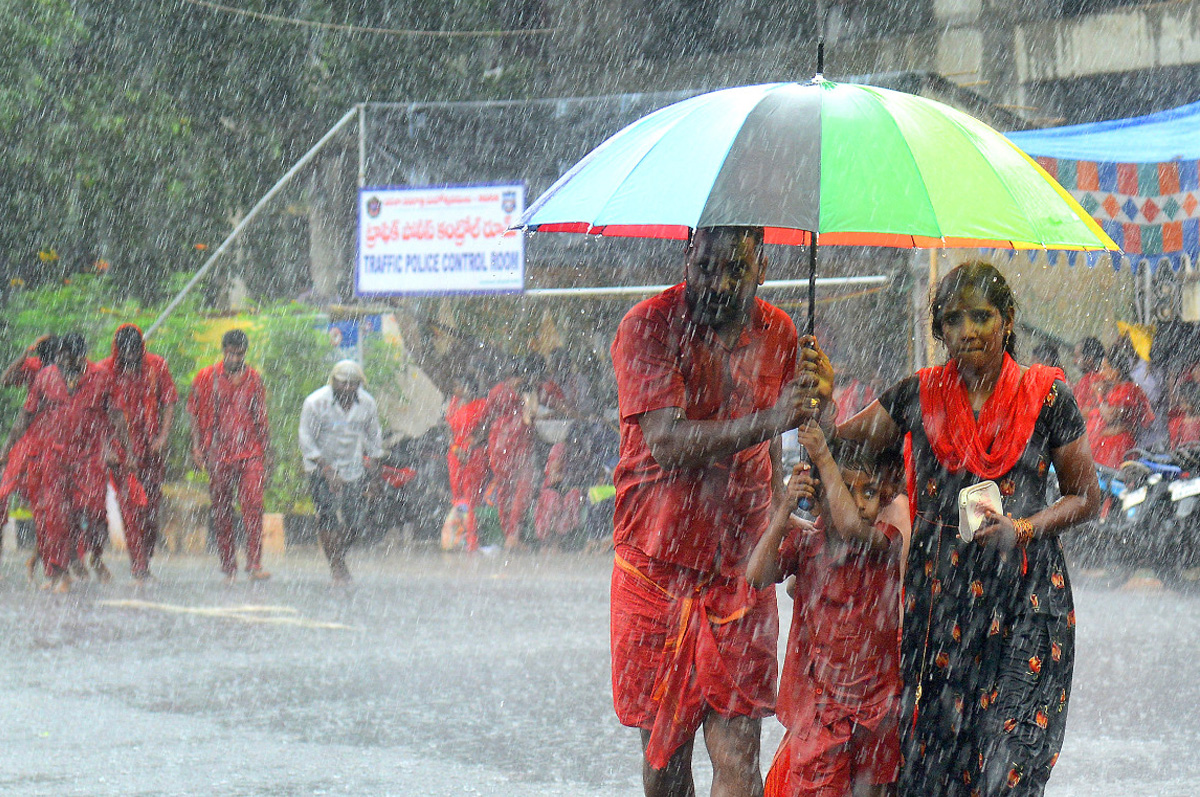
point(1139, 178)
point(1164, 136)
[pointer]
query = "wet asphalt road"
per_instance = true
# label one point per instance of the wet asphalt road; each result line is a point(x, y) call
point(442, 675)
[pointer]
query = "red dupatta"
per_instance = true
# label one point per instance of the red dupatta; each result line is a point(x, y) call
point(991, 446)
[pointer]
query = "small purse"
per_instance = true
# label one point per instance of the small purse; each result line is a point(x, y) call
point(972, 502)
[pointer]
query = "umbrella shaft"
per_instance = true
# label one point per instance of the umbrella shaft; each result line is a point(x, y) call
point(812, 284)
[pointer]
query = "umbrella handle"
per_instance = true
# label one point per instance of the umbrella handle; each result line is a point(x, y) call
point(812, 284)
point(804, 505)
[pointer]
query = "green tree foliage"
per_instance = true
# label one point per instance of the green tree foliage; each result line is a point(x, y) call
point(292, 351)
point(135, 130)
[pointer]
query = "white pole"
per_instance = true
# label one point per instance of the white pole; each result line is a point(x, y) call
point(275, 189)
point(639, 290)
point(362, 145)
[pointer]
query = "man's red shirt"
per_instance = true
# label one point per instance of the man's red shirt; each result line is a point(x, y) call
point(232, 416)
point(1086, 392)
point(696, 517)
point(510, 439)
point(74, 423)
point(843, 650)
point(141, 395)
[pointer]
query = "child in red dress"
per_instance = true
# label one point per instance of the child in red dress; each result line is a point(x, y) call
point(840, 686)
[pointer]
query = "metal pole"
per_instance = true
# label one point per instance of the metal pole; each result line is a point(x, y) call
point(275, 189)
point(812, 284)
point(930, 343)
point(647, 290)
point(362, 145)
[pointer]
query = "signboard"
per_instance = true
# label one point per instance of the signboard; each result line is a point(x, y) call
point(347, 334)
point(439, 241)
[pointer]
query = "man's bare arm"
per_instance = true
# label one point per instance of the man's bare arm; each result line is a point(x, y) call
point(198, 454)
point(676, 442)
point(11, 377)
point(166, 422)
point(778, 486)
point(24, 418)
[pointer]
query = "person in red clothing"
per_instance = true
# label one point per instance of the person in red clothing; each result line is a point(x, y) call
point(840, 690)
point(508, 415)
point(1089, 356)
point(1114, 425)
point(559, 510)
point(22, 370)
point(70, 470)
point(231, 439)
point(1122, 414)
point(21, 373)
point(467, 458)
point(145, 392)
point(705, 383)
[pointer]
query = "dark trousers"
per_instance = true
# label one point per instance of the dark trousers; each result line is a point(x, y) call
point(339, 516)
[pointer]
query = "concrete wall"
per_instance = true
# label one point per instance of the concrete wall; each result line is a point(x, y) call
point(1003, 49)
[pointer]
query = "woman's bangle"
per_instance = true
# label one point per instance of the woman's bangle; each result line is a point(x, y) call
point(1024, 530)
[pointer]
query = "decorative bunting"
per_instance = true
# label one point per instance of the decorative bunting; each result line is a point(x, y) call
point(1147, 208)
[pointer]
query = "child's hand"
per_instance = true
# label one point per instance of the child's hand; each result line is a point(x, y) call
point(813, 439)
point(802, 485)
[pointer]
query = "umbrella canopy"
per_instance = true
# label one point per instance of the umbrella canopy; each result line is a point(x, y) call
point(857, 165)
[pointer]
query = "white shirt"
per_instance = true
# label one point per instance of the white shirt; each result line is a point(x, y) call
point(340, 437)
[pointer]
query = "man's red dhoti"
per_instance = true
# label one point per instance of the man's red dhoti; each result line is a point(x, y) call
point(513, 491)
point(231, 416)
point(827, 760)
point(248, 477)
point(467, 460)
point(66, 491)
point(66, 475)
point(684, 643)
point(139, 510)
point(510, 456)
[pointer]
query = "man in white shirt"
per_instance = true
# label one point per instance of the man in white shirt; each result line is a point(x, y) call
point(341, 442)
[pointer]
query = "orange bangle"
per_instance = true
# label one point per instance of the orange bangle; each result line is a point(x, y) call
point(1024, 530)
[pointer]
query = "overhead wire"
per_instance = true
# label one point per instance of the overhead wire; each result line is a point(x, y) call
point(429, 34)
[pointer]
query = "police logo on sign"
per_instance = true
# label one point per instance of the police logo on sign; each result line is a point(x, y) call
point(508, 201)
point(374, 206)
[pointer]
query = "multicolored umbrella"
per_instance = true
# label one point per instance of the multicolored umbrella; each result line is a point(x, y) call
point(856, 165)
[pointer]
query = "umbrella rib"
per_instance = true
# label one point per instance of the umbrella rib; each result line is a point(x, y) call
point(1035, 228)
point(916, 167)
point(594, 154)
point(653, 147)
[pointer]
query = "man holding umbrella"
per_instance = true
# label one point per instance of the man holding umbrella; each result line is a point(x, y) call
point(707, 378)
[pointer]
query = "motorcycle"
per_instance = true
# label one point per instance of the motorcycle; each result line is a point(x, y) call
point(1156, 524)
point(413, 487)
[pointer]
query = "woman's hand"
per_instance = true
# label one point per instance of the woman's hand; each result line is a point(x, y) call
point(997, 530)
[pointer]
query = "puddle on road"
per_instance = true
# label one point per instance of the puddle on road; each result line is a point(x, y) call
point(269, 615)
